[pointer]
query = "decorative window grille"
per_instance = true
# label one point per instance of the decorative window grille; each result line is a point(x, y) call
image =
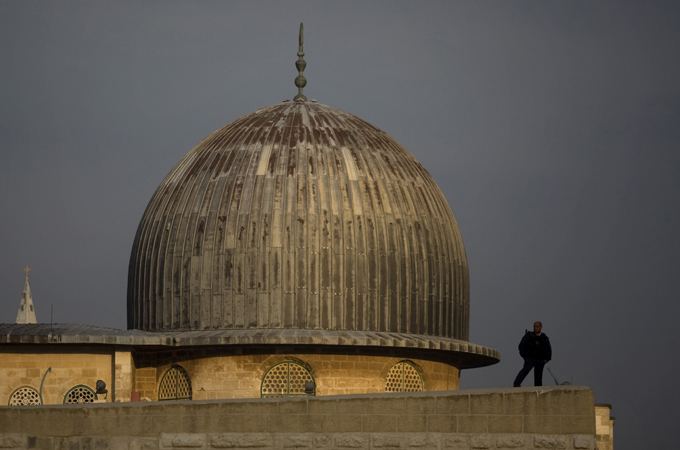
point(404, 377)
point(24, 396)
point(286, 379)
point(79, 394)
point(175, 385)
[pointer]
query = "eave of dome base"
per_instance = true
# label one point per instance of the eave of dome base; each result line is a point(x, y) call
point(465, 354)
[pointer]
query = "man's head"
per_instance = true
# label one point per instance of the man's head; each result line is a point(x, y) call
point(538, 326)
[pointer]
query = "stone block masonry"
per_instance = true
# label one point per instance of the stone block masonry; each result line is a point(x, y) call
point(524, 418)
point(604, 427)
point(214, 373)
point(77, 365)
point(215, 376)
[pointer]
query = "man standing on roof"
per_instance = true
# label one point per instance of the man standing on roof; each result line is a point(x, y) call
point(536, 351)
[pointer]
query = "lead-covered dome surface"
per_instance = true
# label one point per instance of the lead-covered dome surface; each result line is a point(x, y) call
point(299, 216)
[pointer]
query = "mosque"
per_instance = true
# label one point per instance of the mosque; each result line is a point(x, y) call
point(297, 251)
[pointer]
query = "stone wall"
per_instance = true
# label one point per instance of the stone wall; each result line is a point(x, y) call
point(125, 375)
point(604, 427)
point(240, 376)
point(24, 366)
point(530, 418)
point(214, 374)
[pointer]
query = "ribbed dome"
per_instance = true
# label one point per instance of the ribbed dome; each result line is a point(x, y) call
point(299, 216)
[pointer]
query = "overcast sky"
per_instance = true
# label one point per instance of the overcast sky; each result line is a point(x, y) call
point(553, 129)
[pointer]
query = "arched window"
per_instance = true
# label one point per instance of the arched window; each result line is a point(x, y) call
point(404, 377)
point(286, 379)
point(175, 385)
point(79, 394)
point(24, 396)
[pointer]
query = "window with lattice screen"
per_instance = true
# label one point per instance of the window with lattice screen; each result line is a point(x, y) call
point(79, 394)
point(24, 396)
point(286, 379)
point(404, 377)
point(175, 385)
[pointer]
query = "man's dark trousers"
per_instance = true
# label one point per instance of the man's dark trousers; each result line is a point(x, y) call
point(531, 363)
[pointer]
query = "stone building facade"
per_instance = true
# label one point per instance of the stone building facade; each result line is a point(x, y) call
point(22, 369)
point(137, 364)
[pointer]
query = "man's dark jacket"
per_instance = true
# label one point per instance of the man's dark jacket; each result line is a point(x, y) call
point(535, 347)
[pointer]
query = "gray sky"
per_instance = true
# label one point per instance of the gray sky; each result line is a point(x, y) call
point(553, 129)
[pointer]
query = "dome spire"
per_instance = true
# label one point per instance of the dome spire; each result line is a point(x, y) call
point(300, 64)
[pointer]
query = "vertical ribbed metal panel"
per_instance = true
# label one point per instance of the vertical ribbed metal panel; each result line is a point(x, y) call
point(299, 216)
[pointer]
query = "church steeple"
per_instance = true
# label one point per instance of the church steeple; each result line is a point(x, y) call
point(26, 313)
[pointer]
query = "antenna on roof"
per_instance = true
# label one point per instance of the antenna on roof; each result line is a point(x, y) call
point(300, 64)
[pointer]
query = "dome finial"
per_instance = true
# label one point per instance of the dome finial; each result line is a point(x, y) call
point(300, 64)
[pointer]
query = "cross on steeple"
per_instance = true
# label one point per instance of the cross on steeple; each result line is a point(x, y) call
point(26, 313)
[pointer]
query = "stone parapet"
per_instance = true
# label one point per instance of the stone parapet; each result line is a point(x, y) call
point(557, 418)
point(311, 441)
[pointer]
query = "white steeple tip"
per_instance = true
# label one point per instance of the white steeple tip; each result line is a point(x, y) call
point(26, 313)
